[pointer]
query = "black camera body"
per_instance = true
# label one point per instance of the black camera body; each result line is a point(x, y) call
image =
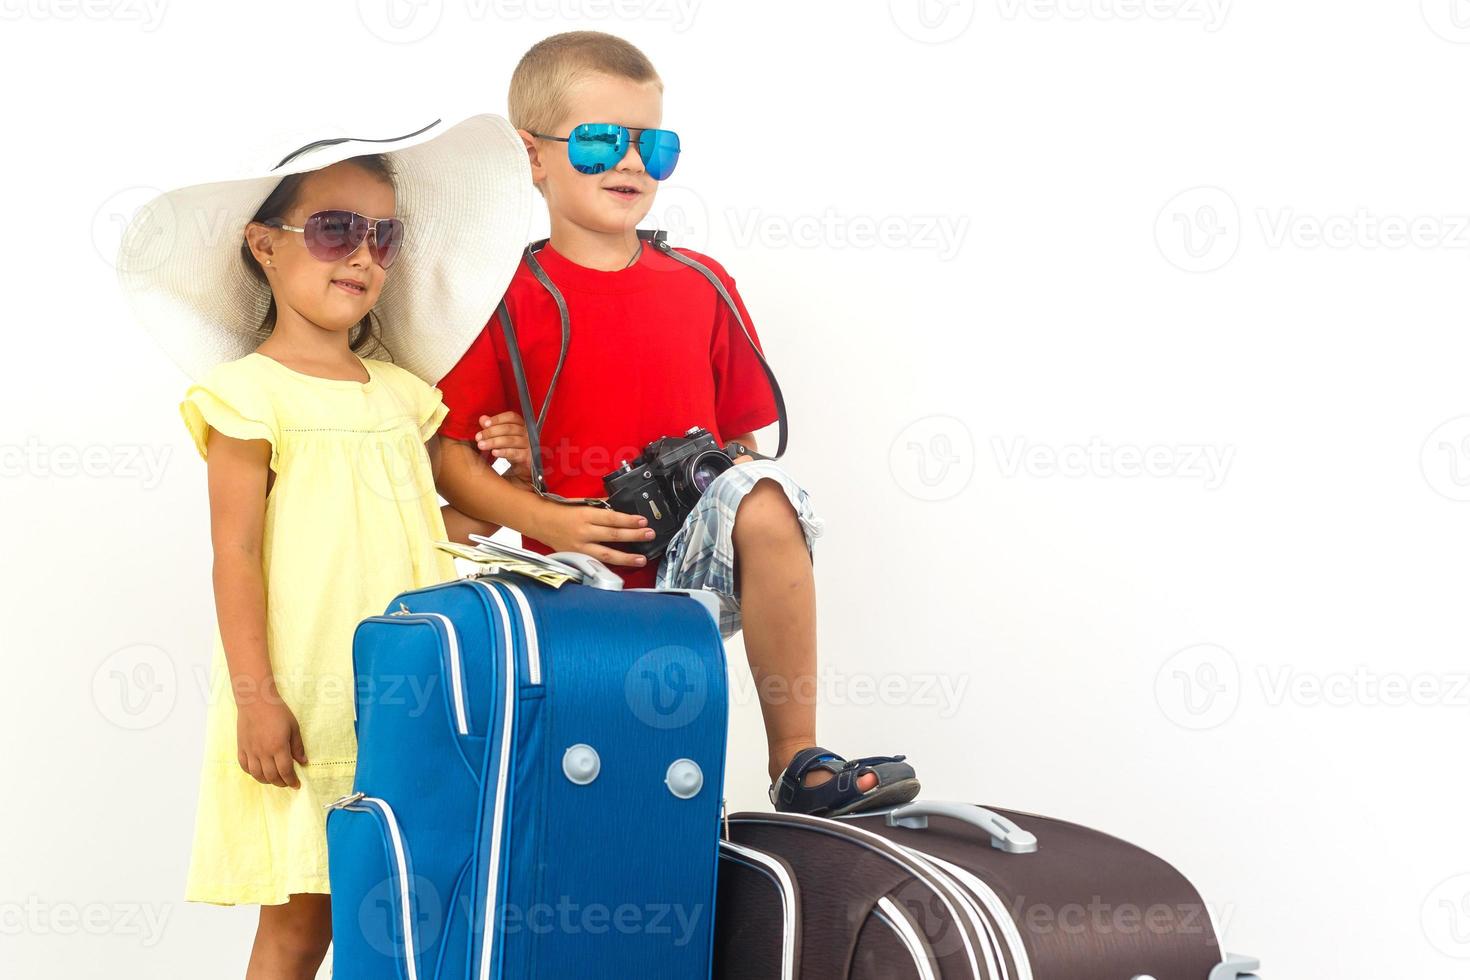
point(665, 481)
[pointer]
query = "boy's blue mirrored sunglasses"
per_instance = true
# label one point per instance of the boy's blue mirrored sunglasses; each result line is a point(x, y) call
point(593, 148)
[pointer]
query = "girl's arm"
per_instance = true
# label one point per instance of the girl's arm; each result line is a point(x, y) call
point(457, 526)
point(268, 735)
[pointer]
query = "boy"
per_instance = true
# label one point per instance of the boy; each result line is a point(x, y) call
point(654, 350)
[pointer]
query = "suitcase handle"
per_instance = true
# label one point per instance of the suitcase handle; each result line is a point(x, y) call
point(594, 572)
point(1004, 835)
point(1236, 968)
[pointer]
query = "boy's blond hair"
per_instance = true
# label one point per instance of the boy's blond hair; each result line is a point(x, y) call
point(547, 73)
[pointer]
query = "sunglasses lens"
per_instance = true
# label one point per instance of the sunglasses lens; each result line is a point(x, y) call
point(387, 241)
point(595, 147)
point(659, 149)
point(334, 235)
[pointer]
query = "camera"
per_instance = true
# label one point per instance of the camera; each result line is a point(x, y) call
point(665, 481)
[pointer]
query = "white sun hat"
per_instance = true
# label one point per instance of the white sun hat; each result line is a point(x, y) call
point(464, 194)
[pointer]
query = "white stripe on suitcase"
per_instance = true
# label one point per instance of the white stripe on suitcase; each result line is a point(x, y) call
point(456, 674)
point(492, 874)
point(763, 862)
point(997, 909)
point(1002, 972)
point(894, 917)
point(995, 961)
point(528, 623)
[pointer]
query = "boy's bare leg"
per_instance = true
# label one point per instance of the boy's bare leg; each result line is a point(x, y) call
point(778, 604)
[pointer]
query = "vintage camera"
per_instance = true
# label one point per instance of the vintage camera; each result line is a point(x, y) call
point(665, 481)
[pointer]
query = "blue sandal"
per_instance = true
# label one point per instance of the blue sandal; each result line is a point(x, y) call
point(840, 794)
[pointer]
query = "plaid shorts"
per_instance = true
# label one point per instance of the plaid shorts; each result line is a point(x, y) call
point(701, 554)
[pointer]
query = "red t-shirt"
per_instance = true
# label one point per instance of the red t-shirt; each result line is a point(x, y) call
point(653, 351)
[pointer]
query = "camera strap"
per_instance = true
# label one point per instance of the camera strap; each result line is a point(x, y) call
point(536, 419)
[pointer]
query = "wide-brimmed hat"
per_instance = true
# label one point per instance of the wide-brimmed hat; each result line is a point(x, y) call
point(464, 194)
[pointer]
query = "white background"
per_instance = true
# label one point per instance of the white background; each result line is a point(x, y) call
point(1000, 251)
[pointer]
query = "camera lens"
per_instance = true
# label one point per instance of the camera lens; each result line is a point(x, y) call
point(698, 473)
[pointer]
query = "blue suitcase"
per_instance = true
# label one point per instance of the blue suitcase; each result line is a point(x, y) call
point(538, 785)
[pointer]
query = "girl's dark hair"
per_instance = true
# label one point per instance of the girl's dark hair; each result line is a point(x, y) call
point(363, 338)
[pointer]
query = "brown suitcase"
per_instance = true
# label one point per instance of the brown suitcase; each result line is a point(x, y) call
point(944, 890)
point(863, 902)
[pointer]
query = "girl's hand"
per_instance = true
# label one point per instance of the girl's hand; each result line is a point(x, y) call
point(577, 527)
point(504, 437)
point(269, 739)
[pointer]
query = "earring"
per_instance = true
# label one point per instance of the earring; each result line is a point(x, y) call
point(267, 261)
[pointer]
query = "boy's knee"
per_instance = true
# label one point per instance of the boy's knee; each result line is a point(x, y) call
point(765, 514)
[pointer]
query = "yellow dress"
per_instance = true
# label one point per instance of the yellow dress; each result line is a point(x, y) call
point(349, 523)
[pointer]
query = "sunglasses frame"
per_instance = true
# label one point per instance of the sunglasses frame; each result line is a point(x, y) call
point(372, 234)
point(625, 137)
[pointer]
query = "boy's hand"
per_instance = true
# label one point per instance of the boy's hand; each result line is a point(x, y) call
point(269, 740)
point(504, 437)
point(577, 527)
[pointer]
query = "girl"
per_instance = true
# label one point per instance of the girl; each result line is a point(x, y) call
point(321, 459)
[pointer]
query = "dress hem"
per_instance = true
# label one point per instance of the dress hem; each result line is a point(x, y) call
point(271, 894)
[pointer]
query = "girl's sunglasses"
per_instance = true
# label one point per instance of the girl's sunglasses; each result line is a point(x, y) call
point(331, 236)
point(595, 147)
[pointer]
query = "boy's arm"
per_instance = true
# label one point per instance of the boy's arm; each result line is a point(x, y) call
point(473, 488)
